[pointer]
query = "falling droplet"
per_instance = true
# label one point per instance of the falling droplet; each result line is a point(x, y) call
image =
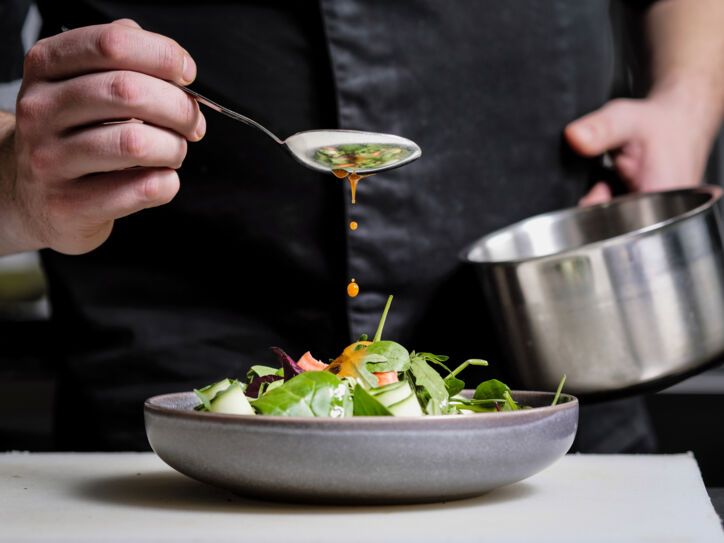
point(352, 289)
point(353, 178)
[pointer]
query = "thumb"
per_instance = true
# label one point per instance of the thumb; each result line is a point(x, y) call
point(609, 127)
point(599, 193)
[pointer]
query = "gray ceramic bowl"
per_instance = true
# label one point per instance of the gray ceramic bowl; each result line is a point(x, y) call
point(361, 459)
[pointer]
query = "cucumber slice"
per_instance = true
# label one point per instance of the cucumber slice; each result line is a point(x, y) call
point(231, 401)
point(210, 391)
point(409, 407)
point(392, 393)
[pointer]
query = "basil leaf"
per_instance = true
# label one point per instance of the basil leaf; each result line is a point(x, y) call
point(395, 355)
point(366, 405)
point(453, 385)
point(309, 394)
point(376, 363)
point(491, 389)
point(432, 385)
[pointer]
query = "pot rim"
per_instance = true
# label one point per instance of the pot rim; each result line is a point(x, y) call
point(715, 194)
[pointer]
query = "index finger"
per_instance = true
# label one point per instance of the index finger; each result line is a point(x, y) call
point(113, 46)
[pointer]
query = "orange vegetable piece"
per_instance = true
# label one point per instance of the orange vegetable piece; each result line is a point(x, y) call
point(386, 377)
point(308, 363)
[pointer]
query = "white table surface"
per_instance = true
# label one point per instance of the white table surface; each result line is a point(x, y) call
point(136, 497)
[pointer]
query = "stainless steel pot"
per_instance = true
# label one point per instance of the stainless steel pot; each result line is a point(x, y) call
point(619, 296)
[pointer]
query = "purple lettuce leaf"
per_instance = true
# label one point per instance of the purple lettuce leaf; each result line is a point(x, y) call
point(290, 366)
point(253, 389)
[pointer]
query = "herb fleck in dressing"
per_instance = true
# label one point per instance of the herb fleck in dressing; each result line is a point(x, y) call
point(360, 156)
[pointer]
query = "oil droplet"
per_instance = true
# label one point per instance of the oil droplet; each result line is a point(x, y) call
point(353, 178)
point(353, 225)
point(352, 289)
point(340, 173)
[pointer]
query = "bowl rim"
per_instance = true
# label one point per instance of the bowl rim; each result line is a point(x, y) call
point(713, 191)
point(153, 406)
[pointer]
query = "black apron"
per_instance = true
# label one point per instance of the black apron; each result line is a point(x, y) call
point(255, 250)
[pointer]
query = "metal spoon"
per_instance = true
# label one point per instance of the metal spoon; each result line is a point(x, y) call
point(319, 149)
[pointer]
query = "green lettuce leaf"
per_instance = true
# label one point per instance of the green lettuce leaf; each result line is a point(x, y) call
point(366, 405)
point(309, 394)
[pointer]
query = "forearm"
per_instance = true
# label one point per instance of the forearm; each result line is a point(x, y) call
point(686, 40)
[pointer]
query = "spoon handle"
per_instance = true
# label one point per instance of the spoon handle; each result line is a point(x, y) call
point(226, 111)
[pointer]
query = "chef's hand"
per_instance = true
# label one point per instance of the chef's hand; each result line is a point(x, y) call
point(656, 143)
point(99, 133)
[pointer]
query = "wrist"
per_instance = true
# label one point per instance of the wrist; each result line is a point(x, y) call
point(13, 234)
point(698, 96)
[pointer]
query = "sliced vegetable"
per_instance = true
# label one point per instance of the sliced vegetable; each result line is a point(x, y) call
point(409, 407)
point(207, 393)
point(386, 377)
point(308, 363)
point(393, 393)
point(232, 401)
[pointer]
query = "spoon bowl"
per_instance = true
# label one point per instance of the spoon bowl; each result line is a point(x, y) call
point(331, 149)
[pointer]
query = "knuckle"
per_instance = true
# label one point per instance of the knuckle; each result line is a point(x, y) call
point(40, 159)
point(149, 188)
point(30, 108)
point(159, 187)
point(122, 88)
point(112, 42)
point(132, 141)
point(181, 154)
point(188, 112)
point(170, 59)
point(36, 57)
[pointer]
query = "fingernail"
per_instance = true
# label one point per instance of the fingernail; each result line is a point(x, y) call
point(200, 128)
point(189, 70)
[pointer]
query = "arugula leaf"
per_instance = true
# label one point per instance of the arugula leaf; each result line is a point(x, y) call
point(510, 404)
point(429, 385)
point(309, 394)
point(491, 390)
point(381, 325)
point(436, 359)
point(468, 362)
point(558, 390)
point(386, 356)
point(366, 405)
